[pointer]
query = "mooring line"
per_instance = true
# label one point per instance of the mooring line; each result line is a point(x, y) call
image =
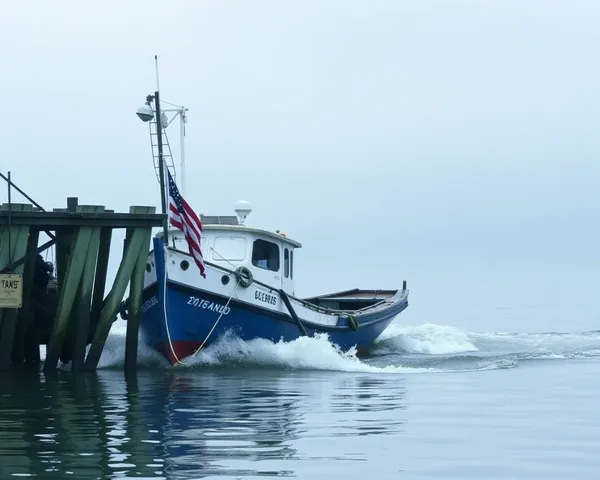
point(191, 357)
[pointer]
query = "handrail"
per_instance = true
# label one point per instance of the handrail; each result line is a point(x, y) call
point(16, 187)
point(270, 288)
point(309, 305)
point(10, 257)
point(10, 182)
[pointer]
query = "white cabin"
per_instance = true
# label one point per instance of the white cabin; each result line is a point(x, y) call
point(228, 243)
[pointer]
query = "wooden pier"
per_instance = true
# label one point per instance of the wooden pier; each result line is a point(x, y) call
point(71, 310)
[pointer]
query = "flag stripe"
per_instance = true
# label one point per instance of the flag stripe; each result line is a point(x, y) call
point(195, 237)
point(182, 217)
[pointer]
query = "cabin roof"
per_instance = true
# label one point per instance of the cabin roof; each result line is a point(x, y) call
point(256, 231)
point(231, 224)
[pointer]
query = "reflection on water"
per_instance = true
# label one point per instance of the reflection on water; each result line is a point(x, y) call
point(364, 397)
point(184, 424)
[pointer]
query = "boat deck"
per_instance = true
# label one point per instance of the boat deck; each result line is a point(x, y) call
point(354, 299)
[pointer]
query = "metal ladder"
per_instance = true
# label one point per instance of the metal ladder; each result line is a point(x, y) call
point(167, 154)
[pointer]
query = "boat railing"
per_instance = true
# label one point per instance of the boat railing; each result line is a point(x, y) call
point(274, 289)
point(306, 303)
point(311, 306)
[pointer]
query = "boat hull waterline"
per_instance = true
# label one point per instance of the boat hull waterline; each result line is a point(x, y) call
point(192, 312)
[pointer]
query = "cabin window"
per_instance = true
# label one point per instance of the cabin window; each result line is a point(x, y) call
point(232, 249)
point(286, 263)
point(291, 264)
point(265, 255)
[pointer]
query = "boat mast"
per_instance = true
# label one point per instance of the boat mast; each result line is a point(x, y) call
point(181, 111)
point(182, 120)
point(147, 114)
point(161, 162)
point(161, 168)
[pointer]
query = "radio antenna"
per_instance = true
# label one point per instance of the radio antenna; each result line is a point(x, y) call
point(156, 67)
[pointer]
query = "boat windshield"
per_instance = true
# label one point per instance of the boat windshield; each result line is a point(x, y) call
point(265, 255)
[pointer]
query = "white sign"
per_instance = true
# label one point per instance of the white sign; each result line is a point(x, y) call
point(11, 290)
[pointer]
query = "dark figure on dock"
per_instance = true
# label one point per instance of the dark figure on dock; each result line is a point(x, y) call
point(42, 273)
point(45, 297)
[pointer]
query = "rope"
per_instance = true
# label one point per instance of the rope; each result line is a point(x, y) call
point(214, 251)
point(191, 357)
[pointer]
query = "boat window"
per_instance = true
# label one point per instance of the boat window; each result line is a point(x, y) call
point(229, 249)
point(291, 263)
point(265, 255)
point(286, 263)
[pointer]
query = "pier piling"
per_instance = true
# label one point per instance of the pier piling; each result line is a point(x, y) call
point(69, 312)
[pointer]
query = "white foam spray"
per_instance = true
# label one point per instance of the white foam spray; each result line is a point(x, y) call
point(427, 338)
point(425, 348)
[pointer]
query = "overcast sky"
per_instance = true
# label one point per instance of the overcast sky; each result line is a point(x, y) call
point(451, 143)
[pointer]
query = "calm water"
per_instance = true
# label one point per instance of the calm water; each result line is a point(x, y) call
point(430, 402)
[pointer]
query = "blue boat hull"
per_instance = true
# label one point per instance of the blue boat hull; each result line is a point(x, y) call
point(189, 327)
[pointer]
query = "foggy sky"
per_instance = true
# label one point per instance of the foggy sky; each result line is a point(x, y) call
point(450, 143)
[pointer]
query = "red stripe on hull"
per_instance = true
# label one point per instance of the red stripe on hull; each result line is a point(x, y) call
point(182, 349)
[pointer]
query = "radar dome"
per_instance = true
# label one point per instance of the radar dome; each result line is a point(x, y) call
point(242, 210)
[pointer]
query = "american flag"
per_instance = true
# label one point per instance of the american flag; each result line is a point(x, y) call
point(182, 216)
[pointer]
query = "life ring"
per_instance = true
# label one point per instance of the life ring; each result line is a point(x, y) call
point(244, 276)
point(353, 323)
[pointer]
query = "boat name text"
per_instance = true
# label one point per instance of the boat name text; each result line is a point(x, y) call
point(148, 304)
point(265, 297)
point(208, 305)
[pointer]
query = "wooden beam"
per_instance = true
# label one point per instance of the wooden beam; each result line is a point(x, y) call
point(135, 300)
point(18, 248)
point(113, 301)
point(67, 292)
point(25, 325)
point(84, 300)
point(62, 219)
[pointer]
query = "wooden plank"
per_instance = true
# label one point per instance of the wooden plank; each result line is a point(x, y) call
point(65, 246)
point(62, 219)
point(25, 318)
point(84, 298)
point(135, 298)
point(9, 321)
point(111, 307)
point(101, 274)
point(18, 248)
point(67, 293)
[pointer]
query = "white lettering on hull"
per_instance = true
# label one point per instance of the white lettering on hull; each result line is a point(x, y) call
point(208, 305)
point(265, 297)
point(148, 304)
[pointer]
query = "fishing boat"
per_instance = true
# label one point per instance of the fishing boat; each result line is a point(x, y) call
point(248, 283)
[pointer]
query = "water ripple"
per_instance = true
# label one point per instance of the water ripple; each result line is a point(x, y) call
point(186, 424)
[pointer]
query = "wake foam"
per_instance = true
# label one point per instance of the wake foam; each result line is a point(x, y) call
point(427, 338)
point(304, 353)
point(426, 348)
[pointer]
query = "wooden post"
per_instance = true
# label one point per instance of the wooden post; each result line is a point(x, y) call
point(67, 292)
point(64, 237)
point(81, 317)
point(135, 296)
point(100, 280)
point(24, 334)
point(111, 307)
point(3, 260)
point(18, 248)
